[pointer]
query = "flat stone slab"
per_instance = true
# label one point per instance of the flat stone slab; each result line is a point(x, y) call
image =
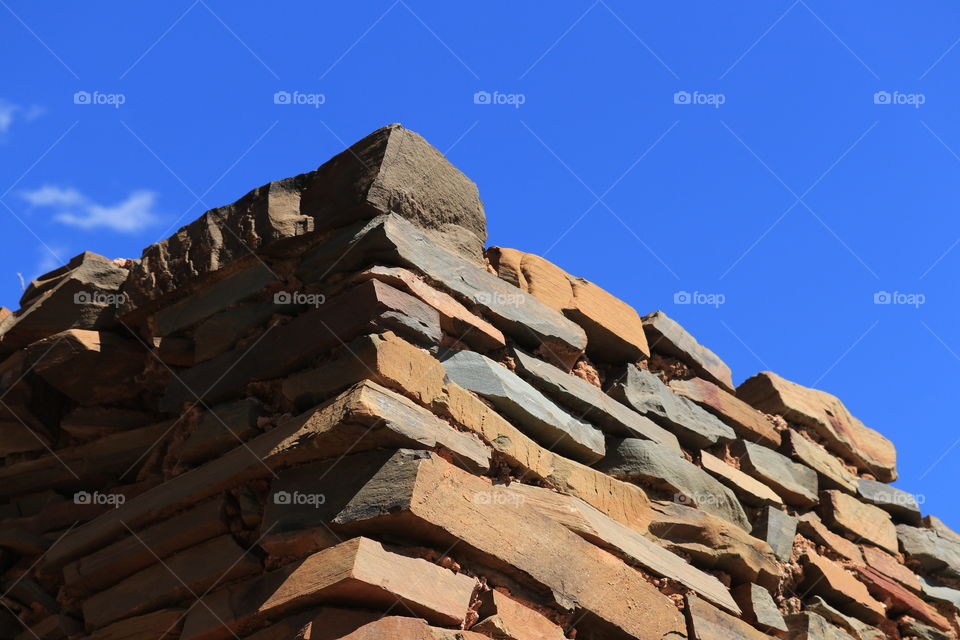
point(864, 521)
point(590, 402)
point(840, 588)
point(750, 491)
point(833, 474)
point(636, 459)
point(667, 336)
point(812, 527)
point(693, 426)
point(759, 608)
point(897, 502)
point(778, 529)
point(810, 626)
point(844, 434)
point(710, 623)
point(937, 553)
point(544, 421)
point(747, 422)
point(794, 482)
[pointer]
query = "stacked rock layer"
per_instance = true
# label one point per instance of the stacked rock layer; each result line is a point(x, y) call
point(326, 411)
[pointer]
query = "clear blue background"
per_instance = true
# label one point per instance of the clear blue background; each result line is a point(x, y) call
point(694, 197)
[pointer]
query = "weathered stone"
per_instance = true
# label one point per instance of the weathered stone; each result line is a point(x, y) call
point(221, 331)
point(844, 434)
point(840, 588)
point(359, 571)
point(455, 319)
point(386, 359)
point(706, 622)
point(851, 626)
point(897, 502)
point(95, 464)
point(394, 241)
point(159, 625)
point(365, 417)
point(811, 527)
point(647, 394)
point(713, 543)
point(622, 541)
point(90, 367)
point(192, 571)
point(759, 608)
point(368, 307)
point(778, 529)
point(750, 491)
point(402, 628)
point(220, 429)
point(864, 521)
point(55, 627)
point(747, 422)
point(505, 618)
point(666, 336)
point(589, 402)
point(83, 294)
point(890, 567)
point(547, 423)
point(624, 502)
point(899, 600)
point(129, 555)
point(95, 422)
point(31, 408)
point(615, 332)
point(422, 498)
point(939, 592)
point(916, 629)
point(936, 524)
point(810, 626)
point(649, 462)
point(832, 473)
point(794, 482)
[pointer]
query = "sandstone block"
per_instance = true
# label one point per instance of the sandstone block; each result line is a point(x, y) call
point(864, 521)
point(811, 527)
point(645, 392)
point(845, 435)
point(840, 588)
point(709, 623)
point(810, 626)
point(505, 618)
point(778, 529)
point(747, 489)
point(794, 482)
point(220, 429)
point(666, 336)
point(937, 553)
point(159, 625)
point(898, 599)
point(832, 473)
point(897, 502)
point(890, 567)
point(747, 422)
point(759, 609)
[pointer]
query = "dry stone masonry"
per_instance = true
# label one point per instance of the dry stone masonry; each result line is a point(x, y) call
point(326, 411)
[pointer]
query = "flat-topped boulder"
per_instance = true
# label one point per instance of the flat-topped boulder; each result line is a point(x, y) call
point(392, 170)
point(843, 433)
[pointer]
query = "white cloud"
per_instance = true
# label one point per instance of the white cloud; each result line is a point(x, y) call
point(10, 112)
point(75, 209)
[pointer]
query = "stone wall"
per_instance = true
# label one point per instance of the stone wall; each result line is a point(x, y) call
point(325, 411)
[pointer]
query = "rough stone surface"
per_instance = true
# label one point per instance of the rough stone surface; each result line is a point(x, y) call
point(750, 491)
point(937, 553)
point(840, 588)
point(544, 421)
point(693, 426)
point(777, 529)
point(614, 330)
point(589, 402)
point(898, 599)
point(832, 473)
point(747, 422)
point(890, 567)
point(649, 462)
point(666, 336)
point(709, 623)
point(844, 434)
point(862, 520)
point(897, 502)
point(504, 617)
point(810, 626)
point(759, 608)
point(811, 526)
point(794, 482)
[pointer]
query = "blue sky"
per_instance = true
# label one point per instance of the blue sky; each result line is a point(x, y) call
point(782, 163)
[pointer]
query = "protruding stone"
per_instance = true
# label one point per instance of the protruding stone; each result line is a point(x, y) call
point(648, 462)
point(939, 592)
point(614, 329)
point(503, 617)
point(909, 627)
point(899, 599)
point(83, 294)
point(844, 434)
point(840, 588)
point(778, 530)
point(666, 336)
point(547, 423)
point(832, 473)
point(851, 626)
point(794, 482)
point(890, 567)
point(811, 527)
point(864, 521)
point(709, 623)
point(589, 402)
point(645, 392)
point(750, 491)
point(937, 553)
point(220, 429)
point(897, 502)
point(759, 608)
point(809, 626)
point(747, 422)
